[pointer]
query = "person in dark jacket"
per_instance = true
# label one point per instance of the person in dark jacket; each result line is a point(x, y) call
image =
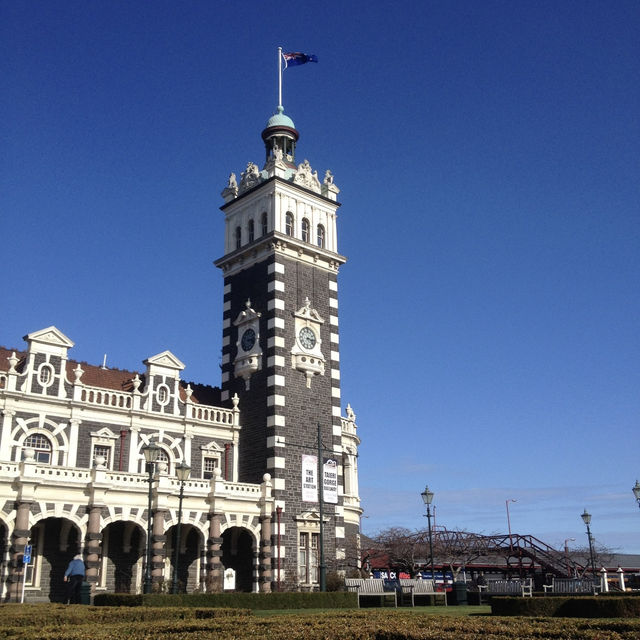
point(74, 577)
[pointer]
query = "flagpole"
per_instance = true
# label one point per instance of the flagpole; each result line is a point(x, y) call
point(279, 76)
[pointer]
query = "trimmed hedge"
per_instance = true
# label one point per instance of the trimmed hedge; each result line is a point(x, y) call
point(253, 601)
point(568, 606)
point(342, 624)
point(55, 614)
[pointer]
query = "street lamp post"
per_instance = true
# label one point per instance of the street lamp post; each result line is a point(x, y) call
point(427, 498)
point(636, 492)
point(586, 518)
point(182, 473)
point(566, 554)
point(509, 523)
point(150, 452)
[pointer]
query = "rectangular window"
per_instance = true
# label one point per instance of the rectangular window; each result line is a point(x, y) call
point(308, 558)
point(209, 463)
point(103, 453)
point(303, 557)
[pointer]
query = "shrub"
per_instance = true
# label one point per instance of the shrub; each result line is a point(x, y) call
point(288, 600)
point(568, 606)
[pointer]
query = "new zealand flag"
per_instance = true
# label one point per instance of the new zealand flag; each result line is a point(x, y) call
point(296, 58)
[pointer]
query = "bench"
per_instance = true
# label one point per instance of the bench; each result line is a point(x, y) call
point(417, 588)
point(372, 587)
point(522, 588)
point(571, 585)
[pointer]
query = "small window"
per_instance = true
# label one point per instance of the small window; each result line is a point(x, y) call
point(209, 463)
point(289, 224)
point(163, 395)
point(250, 230)
point(45, 375)
point(305, 230)
point(41, 445)
point(263, 222)
point(321, 236)
point(163, 456)
point(102, 455)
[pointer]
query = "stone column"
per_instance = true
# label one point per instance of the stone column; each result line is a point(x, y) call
point(265, 554)
point(19, 539)
point(158, 548)
point(214, 554)
point(93, 545)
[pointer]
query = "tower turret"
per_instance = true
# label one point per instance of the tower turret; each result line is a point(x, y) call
point(281, 133)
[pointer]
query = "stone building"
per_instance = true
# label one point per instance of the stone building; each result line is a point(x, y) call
point(273, 484)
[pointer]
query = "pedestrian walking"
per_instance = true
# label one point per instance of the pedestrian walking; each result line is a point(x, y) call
point(74, 577)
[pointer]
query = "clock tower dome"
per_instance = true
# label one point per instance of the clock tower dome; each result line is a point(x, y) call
point(280, 355)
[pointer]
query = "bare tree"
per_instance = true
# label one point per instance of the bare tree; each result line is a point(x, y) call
point(457, 548)
point(580, 559)
point(399, 548)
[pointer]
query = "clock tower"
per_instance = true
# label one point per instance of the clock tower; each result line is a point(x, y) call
point(281, 356)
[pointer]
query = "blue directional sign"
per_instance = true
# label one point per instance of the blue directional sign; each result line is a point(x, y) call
point(26, 558)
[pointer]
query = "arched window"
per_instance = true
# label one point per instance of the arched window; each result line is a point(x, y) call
point(321, 236)
point(41, 445)
point(251, 231)
point(238, 237)
point(289, 224)
point(263, 222)
point(305, 230)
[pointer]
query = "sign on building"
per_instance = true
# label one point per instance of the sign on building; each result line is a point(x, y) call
point(310, 479)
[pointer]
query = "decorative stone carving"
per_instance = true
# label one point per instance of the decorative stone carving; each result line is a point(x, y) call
point(13, 361)
point(250, 177)
point(329, 189)
point(77, 372)
point(305, 177)
point(231, 190)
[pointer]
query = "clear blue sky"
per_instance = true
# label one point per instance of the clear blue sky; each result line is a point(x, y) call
point(487, 155)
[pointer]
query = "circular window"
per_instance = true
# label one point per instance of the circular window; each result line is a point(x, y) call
point(163, 395)
point(45, 374)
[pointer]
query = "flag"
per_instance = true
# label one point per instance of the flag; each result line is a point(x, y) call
point(295, 58)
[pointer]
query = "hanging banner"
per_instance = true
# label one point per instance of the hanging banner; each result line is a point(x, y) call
point(330, 480)
point(309, 478)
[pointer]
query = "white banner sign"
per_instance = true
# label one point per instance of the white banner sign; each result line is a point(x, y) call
point(309, 478)
point(330, 480)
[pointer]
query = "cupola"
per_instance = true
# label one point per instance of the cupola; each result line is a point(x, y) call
point(281, 133)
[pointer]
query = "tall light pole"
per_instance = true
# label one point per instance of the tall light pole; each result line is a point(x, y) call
point(636, 492)
point(151, 452)
point(427, 498)
point(586, 518)
point(566, 554)
point(509, 523)
point(182, 473)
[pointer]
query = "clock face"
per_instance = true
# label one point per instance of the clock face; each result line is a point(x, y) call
point(307, 338)
point(248, 340)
